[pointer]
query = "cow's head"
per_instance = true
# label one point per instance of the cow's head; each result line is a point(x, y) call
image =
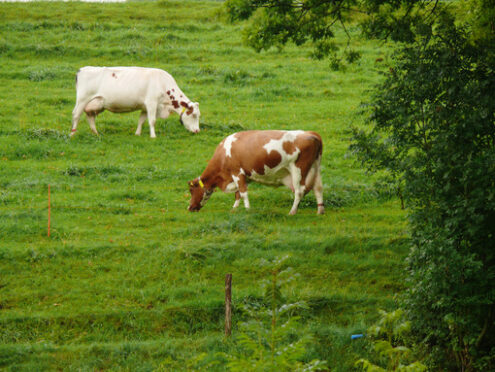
point(189, 116)
point(199, 194)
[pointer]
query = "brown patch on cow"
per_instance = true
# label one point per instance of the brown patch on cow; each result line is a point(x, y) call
point(186, 105)
point(172, 97)
point(168, 92)
point(259, 168)
point(317, 138)
point(273, 159)
point(173, 90)
point(175, 104)
point(113, 75)
point(256, 160)
point(311, 148)
point(289, 147)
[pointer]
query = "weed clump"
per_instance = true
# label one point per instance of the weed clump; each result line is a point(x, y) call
point(44, 134)
point(41, 74)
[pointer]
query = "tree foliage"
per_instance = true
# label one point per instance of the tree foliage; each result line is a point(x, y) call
point(433, 124)
point(277, 22)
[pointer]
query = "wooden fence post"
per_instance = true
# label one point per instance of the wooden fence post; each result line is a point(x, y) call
point(228, 303)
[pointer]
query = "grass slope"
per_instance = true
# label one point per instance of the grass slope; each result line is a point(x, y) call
point(129, 279)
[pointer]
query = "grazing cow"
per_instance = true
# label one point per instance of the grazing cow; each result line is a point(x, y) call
point(272, 157)
point(127, 89)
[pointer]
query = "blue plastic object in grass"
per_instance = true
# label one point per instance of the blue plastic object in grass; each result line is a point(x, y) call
point(353, 337)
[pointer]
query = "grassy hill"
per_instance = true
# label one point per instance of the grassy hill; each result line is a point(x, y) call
point(129, 279)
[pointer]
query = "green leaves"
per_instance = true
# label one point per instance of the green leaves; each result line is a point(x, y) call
point(239, 9)
point(433, 130)
point(276, 23)
point(389, 336)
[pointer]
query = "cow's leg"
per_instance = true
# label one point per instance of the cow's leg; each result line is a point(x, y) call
point(151, 110)
point(244, 196)
point(237, 200)
point(241, 184)
point(76, 115)
point(298, 187)
point(141, 120)
point(318, 190)
point(313, 182)
point(306, 176)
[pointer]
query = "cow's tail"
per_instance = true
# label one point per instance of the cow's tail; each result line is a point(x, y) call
point(77, 74)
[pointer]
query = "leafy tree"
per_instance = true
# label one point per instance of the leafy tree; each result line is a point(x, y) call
point(277, 22)
point(434, 118)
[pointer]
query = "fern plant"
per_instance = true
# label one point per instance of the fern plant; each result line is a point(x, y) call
point(271, 339)
point(389, 339)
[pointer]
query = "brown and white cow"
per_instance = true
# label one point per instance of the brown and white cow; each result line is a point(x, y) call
point(272, 157)
point(125, 89)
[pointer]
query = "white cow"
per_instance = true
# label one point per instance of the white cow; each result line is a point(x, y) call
point(125, 89)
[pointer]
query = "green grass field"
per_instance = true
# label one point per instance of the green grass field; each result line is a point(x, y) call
point(129, 279)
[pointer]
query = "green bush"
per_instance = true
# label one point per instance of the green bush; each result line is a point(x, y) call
point(433, 128)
